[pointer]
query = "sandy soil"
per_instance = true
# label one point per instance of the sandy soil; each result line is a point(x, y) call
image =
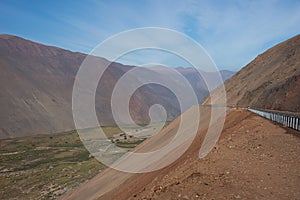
point(254, 159)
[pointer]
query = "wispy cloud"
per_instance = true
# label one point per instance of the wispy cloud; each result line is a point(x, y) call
point(236, 32)
point(233, 32)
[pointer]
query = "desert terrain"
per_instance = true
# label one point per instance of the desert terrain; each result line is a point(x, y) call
point(43, 156)
point(254, 159)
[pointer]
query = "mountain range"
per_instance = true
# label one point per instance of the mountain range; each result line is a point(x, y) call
point(37, 82)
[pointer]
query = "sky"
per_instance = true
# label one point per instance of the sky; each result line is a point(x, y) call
point(232, 32)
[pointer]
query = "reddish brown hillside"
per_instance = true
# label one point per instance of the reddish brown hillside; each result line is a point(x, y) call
point(254, 159)
point(272, 80)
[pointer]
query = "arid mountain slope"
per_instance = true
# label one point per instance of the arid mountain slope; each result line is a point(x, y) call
point(253, 159)
point(36, 89)
point(37, 83)
point(272, 80)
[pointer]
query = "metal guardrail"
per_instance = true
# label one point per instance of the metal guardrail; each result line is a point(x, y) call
point(285, 119)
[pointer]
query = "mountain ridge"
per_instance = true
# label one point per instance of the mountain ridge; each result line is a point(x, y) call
point(37, 82)
point(268, 81)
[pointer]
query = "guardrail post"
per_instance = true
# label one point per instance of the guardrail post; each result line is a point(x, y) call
point(288, 120)
point(294, 122)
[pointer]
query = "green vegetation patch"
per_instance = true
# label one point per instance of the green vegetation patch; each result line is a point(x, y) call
point(44, 167)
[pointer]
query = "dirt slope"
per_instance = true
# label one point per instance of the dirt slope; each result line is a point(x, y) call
point(254, 159)
point(270, 81)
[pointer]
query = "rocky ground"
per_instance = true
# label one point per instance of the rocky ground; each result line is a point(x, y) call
point(254, 159)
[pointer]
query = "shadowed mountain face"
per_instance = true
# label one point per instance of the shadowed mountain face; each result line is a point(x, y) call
point(36, 89)
point(270, 81)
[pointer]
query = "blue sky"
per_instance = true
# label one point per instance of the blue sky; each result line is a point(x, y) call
point(232, 32)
